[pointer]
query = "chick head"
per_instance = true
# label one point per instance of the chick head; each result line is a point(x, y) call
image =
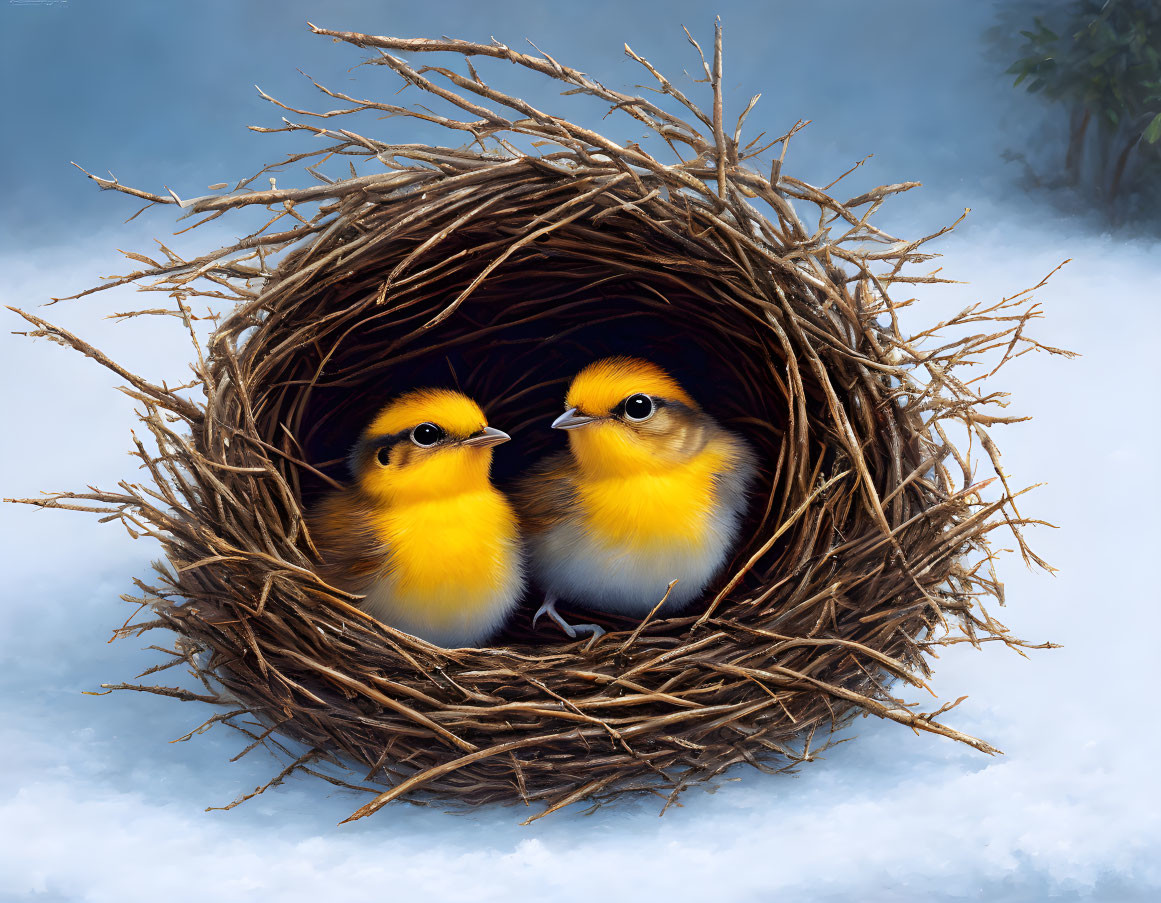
point(426, 443)
point(625, 415)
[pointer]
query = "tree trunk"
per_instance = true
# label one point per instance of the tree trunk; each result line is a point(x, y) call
point(1099, 177)
point(1119, 172)
point(1078, 127)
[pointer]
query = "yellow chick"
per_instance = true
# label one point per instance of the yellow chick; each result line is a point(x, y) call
point(421, 531)
point(650, 490)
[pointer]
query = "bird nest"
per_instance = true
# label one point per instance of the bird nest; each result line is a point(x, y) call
point(501, 266)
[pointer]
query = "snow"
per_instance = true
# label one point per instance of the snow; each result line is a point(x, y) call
point(96, 805)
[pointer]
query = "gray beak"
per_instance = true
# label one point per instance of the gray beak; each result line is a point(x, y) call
point(570, 420)
point(485, 437)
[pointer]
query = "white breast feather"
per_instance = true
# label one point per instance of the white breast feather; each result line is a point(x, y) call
point(576, 567)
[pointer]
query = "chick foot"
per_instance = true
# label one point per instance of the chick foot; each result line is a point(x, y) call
point(549, 608)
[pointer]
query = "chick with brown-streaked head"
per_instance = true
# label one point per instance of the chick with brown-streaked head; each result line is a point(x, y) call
point(421, 532)
point(650, 490)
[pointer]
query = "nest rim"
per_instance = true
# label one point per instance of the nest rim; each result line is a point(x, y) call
point(868, 523)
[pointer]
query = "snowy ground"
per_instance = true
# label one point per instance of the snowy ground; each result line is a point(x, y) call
point(96, 805)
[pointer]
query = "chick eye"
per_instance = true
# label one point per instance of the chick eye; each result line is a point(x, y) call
point(383, 456)
point(426, 434)
point(638, 407)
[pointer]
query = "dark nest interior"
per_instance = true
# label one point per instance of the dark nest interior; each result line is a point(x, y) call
point(502, 265)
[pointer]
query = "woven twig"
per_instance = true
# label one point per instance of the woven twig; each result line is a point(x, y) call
point(503, 264)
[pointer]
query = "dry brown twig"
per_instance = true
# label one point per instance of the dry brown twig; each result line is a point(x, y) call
point(510, 260)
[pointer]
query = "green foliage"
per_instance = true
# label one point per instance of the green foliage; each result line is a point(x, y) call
point(1102, 59)
point(1153, 130)
point(1108, 58)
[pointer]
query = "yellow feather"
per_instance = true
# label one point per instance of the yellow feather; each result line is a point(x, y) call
point(602, 385)
point(433, 475)
point(424, 534)
point(452, 410)
point(635, 503)
point(450, 555)
point(644, 508)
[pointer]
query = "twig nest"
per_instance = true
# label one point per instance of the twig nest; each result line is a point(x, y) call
point(502, 267)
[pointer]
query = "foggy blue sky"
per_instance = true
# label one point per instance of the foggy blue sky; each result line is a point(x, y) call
point(95, 804)
point(162, 93)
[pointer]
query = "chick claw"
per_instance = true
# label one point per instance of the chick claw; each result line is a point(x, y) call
point(549, 608)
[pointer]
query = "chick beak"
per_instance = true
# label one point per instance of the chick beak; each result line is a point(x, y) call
point(570, 420)
point(485, 437)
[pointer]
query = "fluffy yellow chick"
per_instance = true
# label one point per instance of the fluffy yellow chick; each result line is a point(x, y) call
point(421, 531)
point(650, 490)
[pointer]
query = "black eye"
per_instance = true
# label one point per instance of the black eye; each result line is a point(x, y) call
point(638, 407)
point(383, 456)
point(426, 434)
